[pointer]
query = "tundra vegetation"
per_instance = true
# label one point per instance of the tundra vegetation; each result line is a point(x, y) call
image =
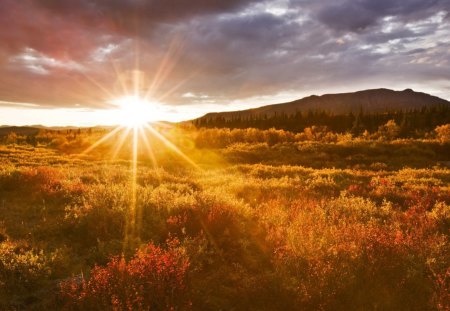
point(266, 219)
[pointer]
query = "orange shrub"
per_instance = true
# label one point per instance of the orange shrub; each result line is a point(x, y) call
point(154, 279)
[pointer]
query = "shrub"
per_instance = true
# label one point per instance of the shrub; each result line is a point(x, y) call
point(22, 268)
point(443, 133)
point(154, 279)
point(389, 131)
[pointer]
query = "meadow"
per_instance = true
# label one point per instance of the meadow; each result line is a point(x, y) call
point(258, 220)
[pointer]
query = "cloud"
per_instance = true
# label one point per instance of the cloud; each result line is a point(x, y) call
point(69, 53)
point(41, 64)
point(137, 17)
point(356, 16)
point(72, 28)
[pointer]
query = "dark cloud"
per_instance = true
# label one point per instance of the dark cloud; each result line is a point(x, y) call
point(138, 17)
point(24, 25)
point(67, 53)
point(351, 15)
point(73, 27)
point(152, 10)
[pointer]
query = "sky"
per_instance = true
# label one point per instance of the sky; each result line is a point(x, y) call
point(69, 62)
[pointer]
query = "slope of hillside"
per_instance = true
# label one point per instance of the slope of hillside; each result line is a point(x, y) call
point(375, 100)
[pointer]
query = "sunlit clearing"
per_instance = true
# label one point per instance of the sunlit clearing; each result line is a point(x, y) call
point(134, 111)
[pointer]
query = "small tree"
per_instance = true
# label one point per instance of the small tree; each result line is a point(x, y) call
point(11, 138)
point(390, 130)
point(443, 133)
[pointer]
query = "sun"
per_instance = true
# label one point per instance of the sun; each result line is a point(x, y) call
point(133, 111)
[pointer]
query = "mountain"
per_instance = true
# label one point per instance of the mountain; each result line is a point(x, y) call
point(370, 101)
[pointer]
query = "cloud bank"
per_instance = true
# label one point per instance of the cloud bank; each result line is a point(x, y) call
point(84, 53)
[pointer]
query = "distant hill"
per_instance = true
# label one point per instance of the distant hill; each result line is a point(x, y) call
point(34, 129)
point(54, 128)
point(370, 101)
point(19, 130)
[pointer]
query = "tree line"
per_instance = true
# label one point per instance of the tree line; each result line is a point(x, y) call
point(412, 123)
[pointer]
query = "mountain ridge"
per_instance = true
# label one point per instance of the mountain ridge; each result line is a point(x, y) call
point(370, 101)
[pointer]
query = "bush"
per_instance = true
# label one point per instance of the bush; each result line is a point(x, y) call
point(443, 133)
point(22, 269)
point(389, 131)
point(154, 279)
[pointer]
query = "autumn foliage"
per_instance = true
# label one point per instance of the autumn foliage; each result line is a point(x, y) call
point(154, 279)
point(270, 220)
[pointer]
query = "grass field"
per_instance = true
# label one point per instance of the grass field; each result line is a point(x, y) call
point(269, 224)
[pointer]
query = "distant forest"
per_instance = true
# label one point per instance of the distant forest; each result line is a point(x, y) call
point(412, 122)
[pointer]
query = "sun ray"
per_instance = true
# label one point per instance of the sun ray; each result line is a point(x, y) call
point(120, 143)
point(134, 182)
point(103, 139)
point(209, 236)
point(133, 111)
point(136, 72)
point(99, 85)
point(176, 87)
point(164, 69)
point(136, 210)
point(130, 224)
point(119, 77)
point(149, 148)
point(136, 82)
point(159, 73)
point(171, 145)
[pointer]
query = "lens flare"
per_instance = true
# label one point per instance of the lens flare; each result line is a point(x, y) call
point(137, 110)
point(133, 111)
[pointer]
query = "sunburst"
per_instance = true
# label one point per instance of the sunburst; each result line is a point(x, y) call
point(135, 112)
point(138, 117)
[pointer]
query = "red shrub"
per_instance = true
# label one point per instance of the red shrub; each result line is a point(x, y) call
point(42, 176)
point(154, 279)
point(441, 297)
